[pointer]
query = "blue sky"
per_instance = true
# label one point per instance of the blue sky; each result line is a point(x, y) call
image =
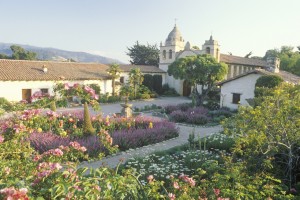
point(108, 27)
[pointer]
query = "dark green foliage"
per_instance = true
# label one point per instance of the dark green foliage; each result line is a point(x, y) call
point(289, 59)
point(21, 54)
point(3, 56)
point(212, 105)
point(143, 55)
point(268, 81)
point(202, 70)
point(153, 82)
point(167, 91)
point(87, 124)
point(148, 81)
point(157, 83)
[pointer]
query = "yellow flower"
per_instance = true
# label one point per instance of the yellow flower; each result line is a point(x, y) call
point(150, 125)
point(39, 130)
point(63, 133)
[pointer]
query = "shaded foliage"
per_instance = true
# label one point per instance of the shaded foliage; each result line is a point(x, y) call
point(143, 54)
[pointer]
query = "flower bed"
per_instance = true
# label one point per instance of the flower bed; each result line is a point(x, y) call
point(52, 130)
point(185, 113)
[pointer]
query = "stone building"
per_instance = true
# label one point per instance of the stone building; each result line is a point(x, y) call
point(175, 47)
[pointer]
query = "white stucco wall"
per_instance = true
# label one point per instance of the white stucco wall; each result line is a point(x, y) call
point(244, 86)
point(12, 90)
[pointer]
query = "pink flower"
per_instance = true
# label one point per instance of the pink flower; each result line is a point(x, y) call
point(12, 193)
point(171, 196)
point(150, 178)
point(83, 149)
point(186, 179)
point(66, 86)
point(1, 139)
point(176, 185)
point(217, 191)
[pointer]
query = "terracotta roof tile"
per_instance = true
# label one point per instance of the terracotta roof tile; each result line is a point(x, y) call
point(24, 70)
point(144, 68)
point(229, 59)
point(286, 76)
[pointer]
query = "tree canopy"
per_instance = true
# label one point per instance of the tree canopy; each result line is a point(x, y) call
point(136, 78)
point(289, 59)
point(201, 70)
point(114, 71)
point(18, 53)
point(268, 135)
point(268, 81)
point(143, 54)
point(21, 54)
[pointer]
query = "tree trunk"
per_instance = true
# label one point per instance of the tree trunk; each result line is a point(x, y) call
point(113, 86)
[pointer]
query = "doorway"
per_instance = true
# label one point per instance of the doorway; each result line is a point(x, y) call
point(186, 89)
point(26, 95)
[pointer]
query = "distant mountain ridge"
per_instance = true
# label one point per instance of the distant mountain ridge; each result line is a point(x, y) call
point(58, 54)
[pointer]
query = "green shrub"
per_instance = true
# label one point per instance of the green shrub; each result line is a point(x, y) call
point(268, 81)
point(167, 91)
point(87, 124)
point(53, 106)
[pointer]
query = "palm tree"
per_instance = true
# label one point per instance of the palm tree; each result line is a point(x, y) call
point(114, 70)
point(136, 78)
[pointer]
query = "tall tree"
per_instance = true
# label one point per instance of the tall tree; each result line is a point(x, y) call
point(136, 78)
point(3, 56)
point(21, 54)
point(143, 54)
point(289, 59)
point(114, 70)
point(268, 135)
point(203, 70)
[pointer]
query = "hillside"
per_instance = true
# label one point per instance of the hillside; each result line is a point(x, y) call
point(58, 54)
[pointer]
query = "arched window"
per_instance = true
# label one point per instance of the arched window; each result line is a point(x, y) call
point(170, 54)
point(164, 54)
point(217, 56)
point(207, 50)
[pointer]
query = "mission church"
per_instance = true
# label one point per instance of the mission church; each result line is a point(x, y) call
point(175, 47)
point(239, 83)
point(20, 79)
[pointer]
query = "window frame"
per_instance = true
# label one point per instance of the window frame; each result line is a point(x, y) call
point(236, 98)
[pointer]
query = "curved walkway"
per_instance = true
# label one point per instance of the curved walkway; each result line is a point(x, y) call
point(184, 132)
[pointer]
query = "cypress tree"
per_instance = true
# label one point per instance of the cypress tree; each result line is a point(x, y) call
point(87, 124)
point(53, 106)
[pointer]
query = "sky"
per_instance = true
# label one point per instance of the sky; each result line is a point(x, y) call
point(108, 27)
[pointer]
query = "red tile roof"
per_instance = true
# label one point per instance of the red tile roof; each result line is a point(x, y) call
point(24, 70)
point(144, 68)
point(229, 59)
point(286, 76)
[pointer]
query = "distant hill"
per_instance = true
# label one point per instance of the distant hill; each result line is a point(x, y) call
point(58, 54)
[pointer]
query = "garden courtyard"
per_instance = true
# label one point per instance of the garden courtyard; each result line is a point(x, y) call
point(169, 148)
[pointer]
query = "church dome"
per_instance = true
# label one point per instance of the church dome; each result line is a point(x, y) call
point(174, 36)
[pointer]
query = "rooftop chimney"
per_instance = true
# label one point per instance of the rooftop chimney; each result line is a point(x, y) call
point(273, 64)
point(45, 70)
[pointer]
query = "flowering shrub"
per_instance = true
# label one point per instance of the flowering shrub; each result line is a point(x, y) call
point(133, 137)
point(183, 107)
point(130, 137)
point(196, 115)
point(43, 142)
point(12, 193)
point(184, 113)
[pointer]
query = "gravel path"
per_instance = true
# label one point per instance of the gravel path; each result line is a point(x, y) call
point(184, 132)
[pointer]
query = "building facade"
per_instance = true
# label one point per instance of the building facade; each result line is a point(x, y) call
point(20, 79)
point(175, 47)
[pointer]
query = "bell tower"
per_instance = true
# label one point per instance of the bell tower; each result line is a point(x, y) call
point(211, 47)
point(173, 44)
